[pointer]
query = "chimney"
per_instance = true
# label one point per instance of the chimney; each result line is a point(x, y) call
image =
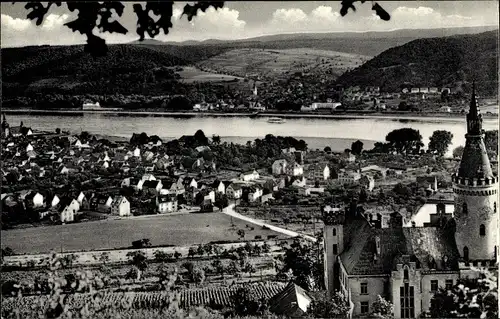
point(22, 124)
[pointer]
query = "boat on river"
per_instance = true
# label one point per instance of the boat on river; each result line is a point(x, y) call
point(276, 120)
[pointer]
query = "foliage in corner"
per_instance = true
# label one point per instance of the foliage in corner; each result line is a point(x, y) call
point(92, 14)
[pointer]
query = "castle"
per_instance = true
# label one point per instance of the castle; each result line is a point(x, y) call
point(365, 257)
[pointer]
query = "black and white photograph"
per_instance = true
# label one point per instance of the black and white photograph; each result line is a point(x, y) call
point(249, 159)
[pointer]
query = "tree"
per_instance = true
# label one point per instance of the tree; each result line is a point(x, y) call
point(405, 140)
point(382, 309)
point(162, 256)
point(233, 268)
point(468, 298)
point(139, 260)
point(458, 151)
point(439, 142)
point(327, 150)
point(249, 268)
point(301, 258)
point(58, 131)
point(324, 307)
point(241, 233)
point(216, 139)
point(198, 275)
point(246, 305)
point(200, 138)
point(491, 141)
point(97, 15)
point(218, 267)
point(357, 147)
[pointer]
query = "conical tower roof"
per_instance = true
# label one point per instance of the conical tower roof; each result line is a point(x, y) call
point(475, 162)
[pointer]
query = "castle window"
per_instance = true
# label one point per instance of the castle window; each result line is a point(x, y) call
point(334, 232)
point(406, 273)
point(334, 249)
point(434, 285)
point(466, 253)
point(407, 301)
point(364, 288)
point(482, 230)
point(494, 207)
point(365, 307)
point(464, 209)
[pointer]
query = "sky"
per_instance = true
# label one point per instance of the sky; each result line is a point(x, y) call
point(245, 19)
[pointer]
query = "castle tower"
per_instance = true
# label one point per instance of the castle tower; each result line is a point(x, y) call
point(475, 188)
point(333, 236)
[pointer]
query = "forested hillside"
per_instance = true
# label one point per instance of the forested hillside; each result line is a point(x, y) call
point(447, 61)
point(125, 69)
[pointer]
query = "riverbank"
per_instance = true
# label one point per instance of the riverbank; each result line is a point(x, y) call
point(438, 116)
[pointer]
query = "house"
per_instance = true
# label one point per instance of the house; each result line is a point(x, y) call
point(69, 169)
point(53, 201)
point(133, 182)
point(348, 157)
point(304, 191)
point(326, 106)
point(67, 208)
point(167, 203)
point(266, 197)
point(279, 167)
point(249, 176)
point(430, 180)
point(206, 206)
point(373, 170)
point(295, 170)
point(367, 182)
point(82, 200)
point(120, 206)
point(208, 194)
point(148, 156)
point(101, 203)
point(148, 177)
point(136, 152)
point(234, 191)
point(29, 147)
point(299, 182)
point(34, 200)
point(291, 302)
point(253, 193)
point(164, 162)
point(219, 186)
point(318, 171)
point(348, 178)
point(289, 150)
point(105, 164)
point(202, 148)
point(153, 187)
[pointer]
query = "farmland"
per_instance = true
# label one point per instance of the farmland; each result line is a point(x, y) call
point(178, 230)
point(271, 63)
point(191, 74)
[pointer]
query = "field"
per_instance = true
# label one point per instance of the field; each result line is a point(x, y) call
point(177, 230)
point(276, 62)
point(193, 74)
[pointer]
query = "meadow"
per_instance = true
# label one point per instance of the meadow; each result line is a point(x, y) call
point(191, 74)
point(176, 230)
point(267, 62)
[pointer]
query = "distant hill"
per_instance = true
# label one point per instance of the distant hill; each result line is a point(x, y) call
point(446, 61)
point(364, 43)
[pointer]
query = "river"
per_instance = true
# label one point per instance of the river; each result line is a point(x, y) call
point(337, 133)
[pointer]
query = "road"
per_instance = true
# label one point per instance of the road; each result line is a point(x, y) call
point(231, 212)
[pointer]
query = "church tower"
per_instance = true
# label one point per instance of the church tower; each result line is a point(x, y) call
point(475, 188)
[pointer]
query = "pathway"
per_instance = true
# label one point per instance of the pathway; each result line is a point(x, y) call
point(230, 211)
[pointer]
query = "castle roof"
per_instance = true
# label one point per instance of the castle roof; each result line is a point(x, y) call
point(427, 246)
point(475, 162)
